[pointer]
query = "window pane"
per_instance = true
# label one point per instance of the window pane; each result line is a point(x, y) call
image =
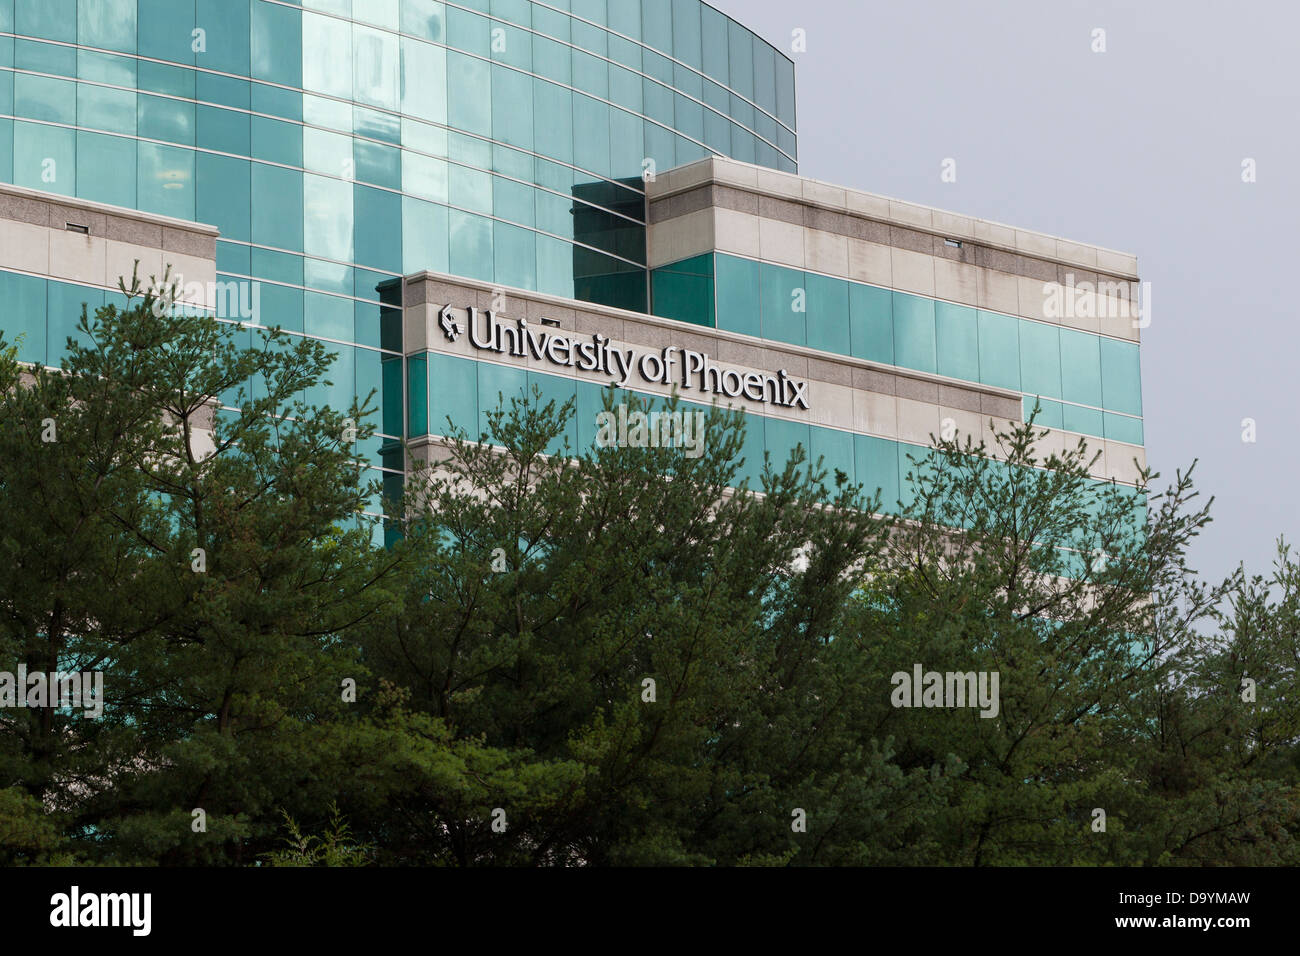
point(957, 331)
point(277, 207)
point(330, 41)
point(1080, 368)
point(103, 170)
point(166, 180)
point(999, 350)
point(737, 295)
point(1040, 358)
point(914, 345)
point(1121, 373)
point(871, 314)
point(828, 314)
point(107, 24)
point(779, 290)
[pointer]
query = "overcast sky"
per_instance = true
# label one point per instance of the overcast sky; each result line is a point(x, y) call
point(1139, 149)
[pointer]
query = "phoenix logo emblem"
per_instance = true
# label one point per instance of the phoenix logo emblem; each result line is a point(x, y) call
point(448, 323)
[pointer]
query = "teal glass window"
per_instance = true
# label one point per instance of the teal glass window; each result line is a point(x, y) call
point(558, 390)
point(25, 315)
point(276, 43)
point(1121, 376)
point(471, 245)
point(166, 180)
point(221, 196)
point(166, 30)
point(424, 19)
point(497, 385)
point(227, 131)
point(328, 316)
point(99, 107)
point(1040, 358)
point(376, 66)
point(161, 78)
point(512, 124)
point(48, 19)
point(222, 90)
point(424, 80)
point(378, 164)
point(914, 341)
point(1050, 413)
point(684, 291)
point(282, 306)
point(837, 451)
point(107, 68)
point(328, 218)
point(45, 158)
point(45, 98)
point(277, 266)
point(828, 314)
point(64, 304)
point(380, 13)
point(453, 393)
point(999, 350)
point(871, 322)
point(591, 149)
point(737, 295)
point(101, 162)
point(424, 228)
point(277, 207)
point(782, 291)
point(782, 438)
point(1080, 368)
point(276, 141)
point(331, 43)
point(166, 119)
point(740, 56)
point(468, 101)
point(226, 26)
point(377, 235)
point(1122, 428)
point(1086, 421)
point(876, 469)
point(417, 395)
point(107, 24)
point(957, 341)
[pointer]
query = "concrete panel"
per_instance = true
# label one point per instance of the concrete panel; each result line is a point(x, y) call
point(736, 232)
point(870, 262)
point(917, 421)
point(782, 243)
point(912, 271)
point(956, 281)
point(1033, 297)
point(875, 414)
point(826, 253)
point(120, 258)
point(78, 258)
point(998, 291)
point(24, 245)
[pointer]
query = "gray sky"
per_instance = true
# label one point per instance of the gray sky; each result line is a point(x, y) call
point(1138, 149)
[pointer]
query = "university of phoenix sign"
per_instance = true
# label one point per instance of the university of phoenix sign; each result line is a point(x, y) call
point(671, 365)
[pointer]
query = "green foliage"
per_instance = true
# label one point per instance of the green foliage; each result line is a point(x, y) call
point(607, 659)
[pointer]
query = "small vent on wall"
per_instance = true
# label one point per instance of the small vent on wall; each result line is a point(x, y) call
point(78, 227)
point(555, 323)
point(956, 244)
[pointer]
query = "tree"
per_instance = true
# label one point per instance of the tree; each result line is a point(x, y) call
point(212, 587)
